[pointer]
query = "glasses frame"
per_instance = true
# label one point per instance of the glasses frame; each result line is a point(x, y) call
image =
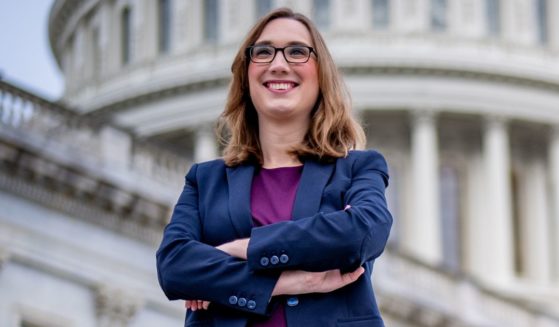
point(249, 53)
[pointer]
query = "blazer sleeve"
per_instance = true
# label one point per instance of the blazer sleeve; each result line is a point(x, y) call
point(189, 269)
point(343, 239)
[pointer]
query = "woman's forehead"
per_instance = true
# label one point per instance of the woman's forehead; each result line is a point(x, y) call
point(284, 31)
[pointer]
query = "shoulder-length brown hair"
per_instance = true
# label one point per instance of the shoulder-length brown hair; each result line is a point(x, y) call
point(332, 131)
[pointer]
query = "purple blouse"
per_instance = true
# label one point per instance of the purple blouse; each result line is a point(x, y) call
point(271, 200)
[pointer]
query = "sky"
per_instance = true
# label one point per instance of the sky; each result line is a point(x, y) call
point(25, 56)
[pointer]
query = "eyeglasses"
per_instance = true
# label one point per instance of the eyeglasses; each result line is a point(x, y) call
point(294, 54)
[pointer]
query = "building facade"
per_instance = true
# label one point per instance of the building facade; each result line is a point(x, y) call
point(462, 97)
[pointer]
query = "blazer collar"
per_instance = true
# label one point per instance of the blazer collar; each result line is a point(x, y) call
point(307, 199)
point(240, 181)
point(309, 193)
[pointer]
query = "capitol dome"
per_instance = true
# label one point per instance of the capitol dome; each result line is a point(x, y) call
point(461, 96)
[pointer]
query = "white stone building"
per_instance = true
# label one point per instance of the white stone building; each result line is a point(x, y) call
point(462, 96)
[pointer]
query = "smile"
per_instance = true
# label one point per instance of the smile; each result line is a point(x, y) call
point(280, 86)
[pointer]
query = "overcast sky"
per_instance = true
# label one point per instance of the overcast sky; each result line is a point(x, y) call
point(25, 56)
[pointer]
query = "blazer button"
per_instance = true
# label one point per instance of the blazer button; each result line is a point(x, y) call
point(292, 301)
point(274, 259)
point(264, 261)
point(251, 305)
point(242, 302)
point(284, 258)
point(233, 299)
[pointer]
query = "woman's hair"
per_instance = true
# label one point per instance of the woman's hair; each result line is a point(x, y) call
point(332, 131)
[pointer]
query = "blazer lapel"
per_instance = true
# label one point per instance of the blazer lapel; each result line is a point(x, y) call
point(309, 193)
point(239, 180)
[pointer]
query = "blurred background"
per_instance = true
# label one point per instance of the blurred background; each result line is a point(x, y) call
point(104, 104)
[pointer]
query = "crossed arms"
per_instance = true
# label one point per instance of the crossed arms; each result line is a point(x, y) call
point(321, 247)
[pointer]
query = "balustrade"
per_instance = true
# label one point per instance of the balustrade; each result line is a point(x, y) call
point(30, 121)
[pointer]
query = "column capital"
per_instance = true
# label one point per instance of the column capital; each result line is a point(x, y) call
point(495, 120)
point(424, 114)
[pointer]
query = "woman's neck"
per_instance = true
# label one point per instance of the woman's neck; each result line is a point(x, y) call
point(277, 142)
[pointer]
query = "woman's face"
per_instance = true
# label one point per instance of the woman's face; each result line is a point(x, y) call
point(280, 90)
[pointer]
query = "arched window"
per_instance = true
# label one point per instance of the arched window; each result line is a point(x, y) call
point(211, 20)
point(439, 15)
point(381, 14)
point(541, 20)
point(164, 25)
point(493, 16)
point(126, 35)
point(321, 13)
point(263, 7)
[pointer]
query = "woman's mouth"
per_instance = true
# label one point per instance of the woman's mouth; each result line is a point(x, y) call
point(280, 86)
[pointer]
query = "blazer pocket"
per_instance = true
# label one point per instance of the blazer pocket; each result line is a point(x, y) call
point(363, 321)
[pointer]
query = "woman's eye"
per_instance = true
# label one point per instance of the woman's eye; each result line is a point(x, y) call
point(262, 52)
point(298, 51)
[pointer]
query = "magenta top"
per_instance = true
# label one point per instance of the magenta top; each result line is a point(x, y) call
point(271, 200)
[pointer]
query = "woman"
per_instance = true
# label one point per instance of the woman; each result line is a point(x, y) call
point(284, 230)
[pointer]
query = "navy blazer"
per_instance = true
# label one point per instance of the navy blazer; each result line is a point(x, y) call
point(214, 208)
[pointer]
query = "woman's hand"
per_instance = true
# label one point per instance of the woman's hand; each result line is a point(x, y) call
point(196, 305)
point(303, 282)
point(237, 248)
point(300, 282)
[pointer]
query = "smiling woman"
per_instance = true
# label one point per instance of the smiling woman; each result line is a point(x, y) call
point(284, 230)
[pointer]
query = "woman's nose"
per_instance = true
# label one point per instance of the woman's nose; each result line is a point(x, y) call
point(279, 63)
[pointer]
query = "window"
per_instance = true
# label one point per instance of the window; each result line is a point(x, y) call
point(450, 217)
point(541, 20)
point(438, 15)
point(493, 16)
point(263, 7)
point(321, 13)
point(211, 20)
point(165, 23)
point(126, 35)
point(381, 14)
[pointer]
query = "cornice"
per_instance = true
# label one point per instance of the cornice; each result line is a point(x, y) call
point(103, 112)
point(364, 70)
point(123, 105)
point(80, 195)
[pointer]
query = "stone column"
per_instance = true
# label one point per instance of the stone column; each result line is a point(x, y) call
point(497, 231)
point(474, 224)
point(534, 223)
point(206, 145)
point(554, 183)
point(115, 307)
point(423, 236)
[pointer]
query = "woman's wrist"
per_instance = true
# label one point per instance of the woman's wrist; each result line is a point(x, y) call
point(237, 248)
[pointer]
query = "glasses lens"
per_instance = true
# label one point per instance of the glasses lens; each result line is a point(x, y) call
point(297, 53)
point(262, 53)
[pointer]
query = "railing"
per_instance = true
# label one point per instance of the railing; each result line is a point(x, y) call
point(52, 128)
point(454, 298)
